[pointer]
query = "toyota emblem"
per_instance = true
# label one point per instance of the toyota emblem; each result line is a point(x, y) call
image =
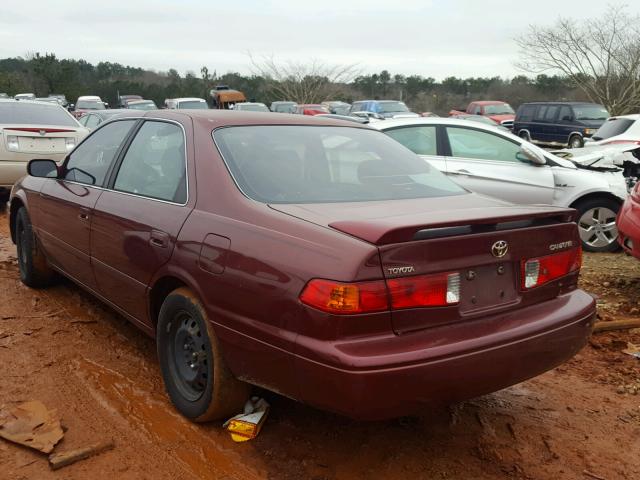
point(499, 249)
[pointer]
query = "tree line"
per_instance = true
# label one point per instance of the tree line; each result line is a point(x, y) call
point(44, 74)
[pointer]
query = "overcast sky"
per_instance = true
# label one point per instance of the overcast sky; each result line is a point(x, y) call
point(434, 38)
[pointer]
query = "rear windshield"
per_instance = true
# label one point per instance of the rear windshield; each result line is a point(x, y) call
point(392, 107)
point(33, 114)
point(193, 104)
point(501, 109)
point(143, 106)
point(90, 105)
point(253, 108)
point(613, 127)
point(317, 164)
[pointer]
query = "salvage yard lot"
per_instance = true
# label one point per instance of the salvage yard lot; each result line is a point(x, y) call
point(61, 346)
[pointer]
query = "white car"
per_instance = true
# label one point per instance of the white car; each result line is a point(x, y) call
point(251, 107)
point(31, 130)
point(621, 129)
point(487, 160)
point(186, 103)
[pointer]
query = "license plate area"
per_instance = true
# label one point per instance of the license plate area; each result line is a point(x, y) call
point(37, 144)
point(487, 286)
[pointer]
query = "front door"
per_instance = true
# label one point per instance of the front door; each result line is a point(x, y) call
point(491, 164)
point(138, 218)
point(66, 206)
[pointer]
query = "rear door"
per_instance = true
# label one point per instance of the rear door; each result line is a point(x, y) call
point(138, 218)
point(66, 204)
point(421, 140)
point(554, 132)
point(491, 164)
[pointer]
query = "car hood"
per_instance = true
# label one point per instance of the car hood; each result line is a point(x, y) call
point(391, 221)
point(502, 118)
point(601, 156)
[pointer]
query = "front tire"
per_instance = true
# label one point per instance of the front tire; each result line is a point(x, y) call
point(597, 224)
point(576, 141)
point(35, 271)
point(196, 377)
point(523, 134)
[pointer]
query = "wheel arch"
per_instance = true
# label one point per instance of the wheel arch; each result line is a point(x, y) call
point(161, 288)
point(592, 195)
point(16, 204)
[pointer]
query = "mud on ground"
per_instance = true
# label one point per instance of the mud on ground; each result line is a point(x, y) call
point(60, 346)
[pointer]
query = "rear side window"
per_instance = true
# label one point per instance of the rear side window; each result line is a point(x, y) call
point(92, 122)
point(550, 116)
point(320, 164)
point(90, 161)
point(526, 113)
point(155, 165)
point(541, 113)
point(612, 127)
point(470, 143)
point(420, 140)
point(24, 113)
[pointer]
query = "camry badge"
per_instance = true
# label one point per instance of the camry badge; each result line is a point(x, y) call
point(499, 249)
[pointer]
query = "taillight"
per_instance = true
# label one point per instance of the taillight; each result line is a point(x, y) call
point(12, 143)
point(440, 289)
point(436, 290)
point(70, 143)
point(538, 271)
point(345, 298)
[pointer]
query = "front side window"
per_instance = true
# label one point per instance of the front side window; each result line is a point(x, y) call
point(155, 165)
point(565, 114)
point(420, 140)
point(550, 116)
point(470, 143)
point(318, 164)
point(90, 161)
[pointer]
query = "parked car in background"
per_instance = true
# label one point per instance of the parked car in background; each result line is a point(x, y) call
point(628, 223)
point(337, 107)
point(142, 105)
point(251, 107)
point(92, 120)
point(319, 259)
point(492, 162)
point(86, 103)
point(124, 99)
point(559, 123)
point(619, 129)
point(311, 109)
point(47, 100)
point(61, 98)
point(30, 130)
point(348, 118)
point(283, 107)
point(481, 119)
point(224, 98)
point(498, 111)
point(25, 96)
point(429, 114)
point(4, 95)
point(382, 108)
point(188, 103)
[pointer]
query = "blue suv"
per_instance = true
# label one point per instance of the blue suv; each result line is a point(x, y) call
point(381, 109)
point(559, 123)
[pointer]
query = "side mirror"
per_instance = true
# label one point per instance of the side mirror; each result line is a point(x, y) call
point(106, 104)
point(532, 155)
point(71, 107)
point(43, 168)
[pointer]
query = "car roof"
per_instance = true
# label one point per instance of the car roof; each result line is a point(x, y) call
point(489, 102)
point(250, 103)
point(89, 97)
point(561, 103)
point(212, 119)
point(378, 101)
point(115, 111)
point(187, 99)
point(30, 102)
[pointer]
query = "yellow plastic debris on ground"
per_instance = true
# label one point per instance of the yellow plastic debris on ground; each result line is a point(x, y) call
point(248, 424)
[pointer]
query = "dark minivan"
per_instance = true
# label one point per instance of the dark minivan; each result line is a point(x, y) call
point(564, 123)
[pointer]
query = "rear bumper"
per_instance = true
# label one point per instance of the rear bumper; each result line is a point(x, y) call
point(379, 378)
point(11, 172)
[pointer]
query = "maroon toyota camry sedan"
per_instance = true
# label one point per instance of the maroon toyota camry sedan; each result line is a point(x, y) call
point(316, 258)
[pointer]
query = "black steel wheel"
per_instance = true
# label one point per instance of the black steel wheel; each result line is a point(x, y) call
point(32, 262)
point(195, 374)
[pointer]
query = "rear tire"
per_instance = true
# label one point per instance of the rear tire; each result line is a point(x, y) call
point(576, 141)
point(597, 224)
point(35, 271)
point(196, 377)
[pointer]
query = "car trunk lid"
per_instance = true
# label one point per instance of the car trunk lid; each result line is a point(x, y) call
point(439, 236)
point(27, 140)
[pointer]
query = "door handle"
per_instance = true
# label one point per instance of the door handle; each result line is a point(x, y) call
point(159, 239)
